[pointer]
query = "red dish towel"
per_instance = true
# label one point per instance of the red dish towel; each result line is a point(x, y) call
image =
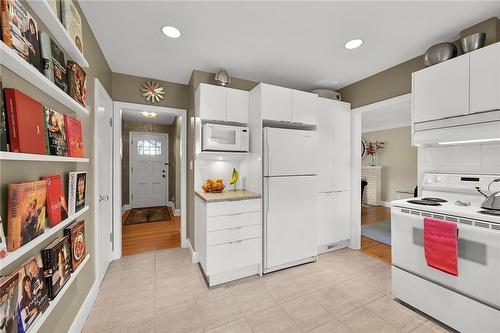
point(441, 245)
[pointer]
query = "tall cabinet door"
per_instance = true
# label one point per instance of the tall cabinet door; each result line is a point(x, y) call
point(341, 146)
point(326, 151)
point(485, 79)
point(276, 103)
point(333, 217)
point(304, 107)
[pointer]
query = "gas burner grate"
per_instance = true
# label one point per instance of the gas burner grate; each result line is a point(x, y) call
point(424, 202)
point(434, 199)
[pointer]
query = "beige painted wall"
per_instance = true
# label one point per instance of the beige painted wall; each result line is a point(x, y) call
point(10, 172)
point(398, 159)
point(173, 154)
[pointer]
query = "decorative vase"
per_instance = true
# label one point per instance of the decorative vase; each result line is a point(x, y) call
point(372, 160)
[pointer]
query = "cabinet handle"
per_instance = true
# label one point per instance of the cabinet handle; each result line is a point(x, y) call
point(235, 228)
point(236, 242)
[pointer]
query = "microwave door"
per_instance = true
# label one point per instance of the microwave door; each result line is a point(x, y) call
point(220, 138)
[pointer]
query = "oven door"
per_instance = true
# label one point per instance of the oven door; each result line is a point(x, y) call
point(221, 138)
point(478, 255)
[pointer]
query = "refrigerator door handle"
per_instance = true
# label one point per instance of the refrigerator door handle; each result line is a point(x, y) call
point(268, 154)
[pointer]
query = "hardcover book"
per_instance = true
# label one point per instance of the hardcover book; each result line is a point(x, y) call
point(4, 135)
point(76, 235)
point(72, 21)
point(56, 133)
point(9, 291)
point(25, 122)
point(77, 191)
point(3, 241)
point(56, 203)
point(57, 265)
point(14, 26)
point(33, 42)
point(74, 138)
point(33, 298)
point(46, 54)
point(25, 212)
point(76, 83)
point(58, 66)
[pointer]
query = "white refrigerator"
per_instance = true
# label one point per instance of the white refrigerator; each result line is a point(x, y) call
point(289, 171)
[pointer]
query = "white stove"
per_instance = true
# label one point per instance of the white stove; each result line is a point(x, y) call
point(469, 302)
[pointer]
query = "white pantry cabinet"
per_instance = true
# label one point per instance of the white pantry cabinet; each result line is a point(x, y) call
point(485, 79)
point(441, 91)
point(304, 107)
point(276, 102)
point(333, 218)
point(222, 104)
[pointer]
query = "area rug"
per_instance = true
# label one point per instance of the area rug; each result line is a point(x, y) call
point(379, 231)
point(148, 215)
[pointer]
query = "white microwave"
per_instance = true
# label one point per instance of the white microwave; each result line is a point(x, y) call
point(224, 138)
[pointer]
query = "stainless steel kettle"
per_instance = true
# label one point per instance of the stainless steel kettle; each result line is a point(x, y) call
point(492, 201)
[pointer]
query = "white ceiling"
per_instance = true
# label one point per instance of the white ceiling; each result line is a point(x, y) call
point(391, 113)
point(164, 118)
point(294, 44)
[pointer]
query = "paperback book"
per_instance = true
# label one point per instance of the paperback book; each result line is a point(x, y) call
point(33, 42)
point(25, 122)
point(25, 212)
point(58, 66)
point(74, 138)
point(56, 133)
point(46, 55)
point(57, 265)
point(56, 203)
point(14, 26)
point(33, 298)
point(72, 21)
point(8, 303)
point(76, 83)
point(76, 235)
point(77, 191)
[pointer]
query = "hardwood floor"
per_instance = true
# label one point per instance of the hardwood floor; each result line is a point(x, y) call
point(144, 237)
point(371, 214)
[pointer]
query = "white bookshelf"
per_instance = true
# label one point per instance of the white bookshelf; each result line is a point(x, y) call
point(58, 31)
point(49, 232)
point(9, 156)
point(52, 305)
point(10, 59)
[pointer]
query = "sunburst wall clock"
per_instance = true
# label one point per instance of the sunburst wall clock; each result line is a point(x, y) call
point(152, 91)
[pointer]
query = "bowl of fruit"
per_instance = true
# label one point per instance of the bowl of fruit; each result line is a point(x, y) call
point(213, 185)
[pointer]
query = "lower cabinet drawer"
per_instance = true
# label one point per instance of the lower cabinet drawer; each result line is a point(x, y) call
point(232, 221)
point(232, 207)
point(232, 234)
point(231, 256)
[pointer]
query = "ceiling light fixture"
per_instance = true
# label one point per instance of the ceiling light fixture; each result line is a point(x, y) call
point(149, 114)
point(171, 32)
point(469, 141)
point(353, 44)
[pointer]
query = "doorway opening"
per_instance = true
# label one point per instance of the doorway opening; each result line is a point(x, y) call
point(152, 172)
point(388, 169)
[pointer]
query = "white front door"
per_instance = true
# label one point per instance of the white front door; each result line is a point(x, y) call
point(148, 157)
point(103, 160)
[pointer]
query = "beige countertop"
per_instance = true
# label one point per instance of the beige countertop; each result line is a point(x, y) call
point(228, 195)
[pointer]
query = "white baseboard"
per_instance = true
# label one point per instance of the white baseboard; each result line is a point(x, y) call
point(385, 203)
point(194, 255)
point(177, 212)
point(83, 313)
point(126, 207)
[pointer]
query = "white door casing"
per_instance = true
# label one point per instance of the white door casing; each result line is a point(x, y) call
point(103, 180)
point(148, 169)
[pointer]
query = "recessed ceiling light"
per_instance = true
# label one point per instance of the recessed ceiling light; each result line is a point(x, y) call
point(149, 114)
point(353, 44)
point(171, 32)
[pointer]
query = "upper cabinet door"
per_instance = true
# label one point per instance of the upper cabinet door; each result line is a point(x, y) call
point(304, 107)
point(485, 79)
point(276, 103)
point(442, 90)
point(237, 105)
point(212, 102)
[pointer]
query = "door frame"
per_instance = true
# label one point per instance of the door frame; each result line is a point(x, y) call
point(99, 90)
point(117, 172)
point(130, 164)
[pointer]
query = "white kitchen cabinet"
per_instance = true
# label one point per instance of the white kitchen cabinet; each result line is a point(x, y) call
point(276, 102)
point(237, 105)
point(332, 218)
point(212, 102)
point(485, 79)
point(441, 91)
point(304, 107)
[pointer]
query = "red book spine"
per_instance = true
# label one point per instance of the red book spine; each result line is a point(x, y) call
point(12, 120)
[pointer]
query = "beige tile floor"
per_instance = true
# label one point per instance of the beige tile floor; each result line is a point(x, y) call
point(344, 291)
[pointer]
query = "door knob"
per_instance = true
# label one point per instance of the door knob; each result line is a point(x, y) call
point(103, 198)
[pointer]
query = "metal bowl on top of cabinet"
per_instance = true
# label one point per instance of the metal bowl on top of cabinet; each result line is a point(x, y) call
point(439, 53)
point(473, 42)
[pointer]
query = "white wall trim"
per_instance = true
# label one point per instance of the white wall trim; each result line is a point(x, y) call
point(385, 203)
point(83, 313)
point(384, 103)
point(125, 208)
point(194, 255)
point(355, 240)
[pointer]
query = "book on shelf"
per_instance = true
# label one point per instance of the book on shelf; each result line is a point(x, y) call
point(33, 297)
point(9, 292)
point(33, 42)
point(4, 133)
point(14, 26)
point(58, 66)
point(72, 21)
point(56, 259)
point(3, 240)
point(25, 212)
point(57, 208)
point(77, 83)
point(74, 138)
point(56, 133)
point(76, 235)
point(55, 6)
point(25, 122)
point(77, 189)
point(46, 56)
